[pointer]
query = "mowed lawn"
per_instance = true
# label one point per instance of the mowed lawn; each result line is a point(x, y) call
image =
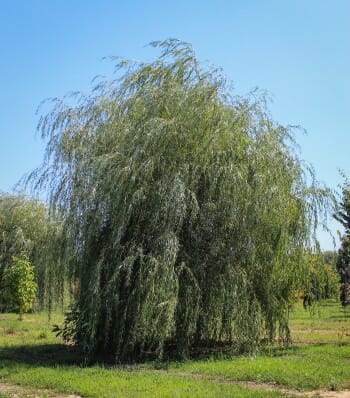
point(32, 358)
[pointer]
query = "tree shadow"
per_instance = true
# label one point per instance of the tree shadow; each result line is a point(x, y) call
point(59, 354)
point(43, 355)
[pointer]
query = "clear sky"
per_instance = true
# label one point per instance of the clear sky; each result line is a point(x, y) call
point(299, 50)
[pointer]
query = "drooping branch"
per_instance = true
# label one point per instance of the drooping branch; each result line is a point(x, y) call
point(186, 207)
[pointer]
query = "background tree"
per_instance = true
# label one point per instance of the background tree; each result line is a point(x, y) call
point(330, 257)
point(26, 228)
point(19, 285)
point(186, 208)
point(343, 268)
point(322, 282)
point(343, 213)
point(343, 259)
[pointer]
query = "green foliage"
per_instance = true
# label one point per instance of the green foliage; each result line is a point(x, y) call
point(343, 259)
point(343, 268)
point(322, 281)
point(19, 285)
point(68, 330)
point(330, 258)
point(186, 208)
point(26, 227)
point(22, 226)
point(343, 213)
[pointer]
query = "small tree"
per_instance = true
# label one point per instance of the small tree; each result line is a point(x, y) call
point(343, 268)
point(322, 281)
point(19, 285)
point(343, 259)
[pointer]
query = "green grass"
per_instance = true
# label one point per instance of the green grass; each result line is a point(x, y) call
point(34, 329)
point(319, 357)
point(304, 368)
point(110, 383)
point(31, 356)
point(328, 323)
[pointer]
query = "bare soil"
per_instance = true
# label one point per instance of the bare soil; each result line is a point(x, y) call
point(16, 390)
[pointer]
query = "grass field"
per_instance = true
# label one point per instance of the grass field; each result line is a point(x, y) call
point(34, 363)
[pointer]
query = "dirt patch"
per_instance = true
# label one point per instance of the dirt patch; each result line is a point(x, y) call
point(296, 393)
point(15, 390)
point(293, 392)
point(327, 394)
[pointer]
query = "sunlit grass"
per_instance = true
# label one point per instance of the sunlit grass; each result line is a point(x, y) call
point(108, 383)
point(306, 368)
point(35, 329)
point(32, 356)
point(327, 323)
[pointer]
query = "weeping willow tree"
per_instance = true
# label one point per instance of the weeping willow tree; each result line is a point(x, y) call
point(26, 229)
point(186, 207)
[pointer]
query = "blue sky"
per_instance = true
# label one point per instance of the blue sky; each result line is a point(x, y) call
point(299, 50)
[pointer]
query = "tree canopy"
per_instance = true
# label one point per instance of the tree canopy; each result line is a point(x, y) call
point(19, 285)
point(27, 229)
point(187, 209)
point(343, 259)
